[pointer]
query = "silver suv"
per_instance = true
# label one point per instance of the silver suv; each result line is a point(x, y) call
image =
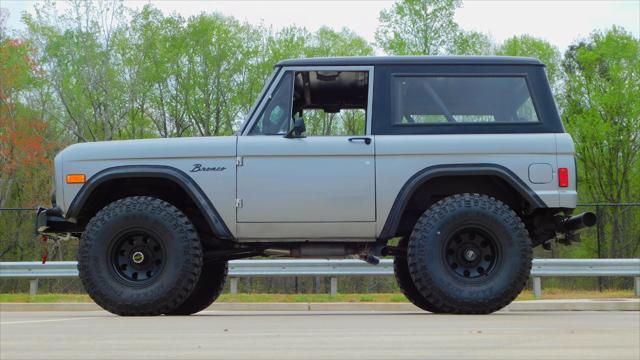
point(463, 161)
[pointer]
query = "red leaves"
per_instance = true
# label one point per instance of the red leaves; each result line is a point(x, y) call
point(24, 142)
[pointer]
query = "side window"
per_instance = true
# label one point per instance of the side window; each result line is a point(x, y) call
point(426, 100)
point(332, 103)
point(275, 118)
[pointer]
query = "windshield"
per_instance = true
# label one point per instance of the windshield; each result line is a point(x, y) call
point(255, 104)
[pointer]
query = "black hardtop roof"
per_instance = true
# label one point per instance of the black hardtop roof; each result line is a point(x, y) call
point(411, 60)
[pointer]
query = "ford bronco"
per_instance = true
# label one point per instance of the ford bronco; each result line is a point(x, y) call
point(462, 161)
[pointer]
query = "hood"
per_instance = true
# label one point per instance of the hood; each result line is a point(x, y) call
point(194, 147)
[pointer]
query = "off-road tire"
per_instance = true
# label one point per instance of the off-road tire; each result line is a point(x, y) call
point(405, 282)
point(207, 290)
point(432, 262)
point(179, 258)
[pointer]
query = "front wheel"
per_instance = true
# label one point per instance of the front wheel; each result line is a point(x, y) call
point(139, 256)
point(207, 290)
point(469, 254)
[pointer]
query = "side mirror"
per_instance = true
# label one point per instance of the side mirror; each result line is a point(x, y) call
point(297, 130)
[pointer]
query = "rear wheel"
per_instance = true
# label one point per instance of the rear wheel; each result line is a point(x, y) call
point(207, 290)
point(405, 282)
point(139, 256)
point(469, 254)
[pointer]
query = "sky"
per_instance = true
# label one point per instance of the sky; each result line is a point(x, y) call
point(559, 22)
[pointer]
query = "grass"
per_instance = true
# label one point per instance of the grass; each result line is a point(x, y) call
point(547, 293)
point(44, 298)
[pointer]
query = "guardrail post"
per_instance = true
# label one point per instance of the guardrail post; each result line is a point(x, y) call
point(334, 286)
point(537, 287)
point(33, 287)
point(637, 285)
point(234, 285)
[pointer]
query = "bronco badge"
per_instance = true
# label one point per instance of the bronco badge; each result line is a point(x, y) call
point(199, 167)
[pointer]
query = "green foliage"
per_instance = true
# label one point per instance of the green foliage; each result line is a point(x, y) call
point(418, 27)
point(529, 46)
point(471, 43)
point(603, 115)
point(26, 145)
point(603, 112)
point(115, 74)
point(211, 61)
point(344, 123)
point(327, 42)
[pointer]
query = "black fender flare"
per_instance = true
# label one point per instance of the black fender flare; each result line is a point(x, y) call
point(426, 174)
point(177, 176)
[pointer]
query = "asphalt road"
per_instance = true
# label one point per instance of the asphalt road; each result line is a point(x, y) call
point(321, 335)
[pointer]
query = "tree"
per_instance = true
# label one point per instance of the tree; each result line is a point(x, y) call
point(471, 43)
point(529, 46)
point(136, 47)
point(26, 143)
point(328, 42)
point(418, 27)
point(23, 142)
point(77, 52)
point(155, 42)
point(212, 60)
point(262, 49)
point(603, 115)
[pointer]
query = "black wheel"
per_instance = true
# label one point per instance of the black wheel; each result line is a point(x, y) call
point(207, 290)
point(139, 256)
point(469, 254)
point(405, 282)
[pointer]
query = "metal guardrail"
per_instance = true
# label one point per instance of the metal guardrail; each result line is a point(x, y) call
point(337, 268)
point(35, 269)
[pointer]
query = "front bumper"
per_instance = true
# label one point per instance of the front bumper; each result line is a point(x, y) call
point(51, 220)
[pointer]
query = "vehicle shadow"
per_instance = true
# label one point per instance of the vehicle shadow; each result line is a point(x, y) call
point(305, 313)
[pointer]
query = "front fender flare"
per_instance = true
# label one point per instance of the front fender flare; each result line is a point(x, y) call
point(205, 206)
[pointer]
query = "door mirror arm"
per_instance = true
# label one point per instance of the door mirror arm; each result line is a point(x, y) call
point(297, 130)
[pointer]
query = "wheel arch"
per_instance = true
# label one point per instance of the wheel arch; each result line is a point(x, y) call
point(95, 193)
point(432, 174)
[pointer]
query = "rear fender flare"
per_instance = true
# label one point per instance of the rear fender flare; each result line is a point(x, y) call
point(432, 172)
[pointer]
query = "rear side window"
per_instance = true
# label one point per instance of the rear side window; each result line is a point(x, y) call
point(443, 100)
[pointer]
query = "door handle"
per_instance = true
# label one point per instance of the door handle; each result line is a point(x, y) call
point(365, 140)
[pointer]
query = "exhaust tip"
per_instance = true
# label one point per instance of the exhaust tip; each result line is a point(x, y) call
point(589, 219)
point(385, 251)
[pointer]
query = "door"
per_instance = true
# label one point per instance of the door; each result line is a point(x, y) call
point(322, 185)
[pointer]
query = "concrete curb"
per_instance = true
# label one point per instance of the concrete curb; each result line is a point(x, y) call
point(531, 305)
point(575, 305)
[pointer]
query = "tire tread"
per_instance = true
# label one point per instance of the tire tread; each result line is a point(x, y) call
point(190, 268)
point(428, 222)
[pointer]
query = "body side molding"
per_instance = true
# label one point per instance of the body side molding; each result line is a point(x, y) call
point(432, 172)
point(155, 171)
